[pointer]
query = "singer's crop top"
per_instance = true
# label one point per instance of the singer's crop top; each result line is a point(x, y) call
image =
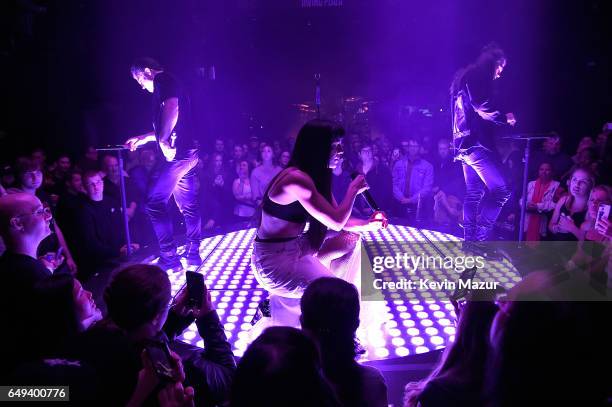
point(294, 212)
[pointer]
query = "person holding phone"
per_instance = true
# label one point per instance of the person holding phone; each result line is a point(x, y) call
point(142, 315)
point(172, 392)
point(598, 208)
point(571, 210)
point(594, 250)
point(287, 258)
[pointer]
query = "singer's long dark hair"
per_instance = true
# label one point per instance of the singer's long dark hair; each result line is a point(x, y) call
point(311, 155)
point(484, 67)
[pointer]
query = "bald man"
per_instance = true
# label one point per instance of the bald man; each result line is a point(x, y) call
point(24, 223)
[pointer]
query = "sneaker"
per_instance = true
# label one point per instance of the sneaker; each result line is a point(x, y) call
point(192, 254)
point(169, 262)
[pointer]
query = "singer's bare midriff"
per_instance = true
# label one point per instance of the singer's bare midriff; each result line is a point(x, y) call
point(272, 227)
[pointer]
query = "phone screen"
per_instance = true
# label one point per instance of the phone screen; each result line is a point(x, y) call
point(603, 212)
point(195, 288)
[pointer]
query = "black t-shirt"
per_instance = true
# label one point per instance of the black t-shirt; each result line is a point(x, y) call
point(167, 86)
point(19, 274)
point(481, 88)
point(98, 233)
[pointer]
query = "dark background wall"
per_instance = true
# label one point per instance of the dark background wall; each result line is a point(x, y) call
point(65, 80)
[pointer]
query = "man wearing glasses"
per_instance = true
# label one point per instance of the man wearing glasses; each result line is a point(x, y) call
point(24, 223)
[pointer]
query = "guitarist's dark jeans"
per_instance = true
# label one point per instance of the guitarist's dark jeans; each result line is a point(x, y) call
point(482, 169)
point(176, 178)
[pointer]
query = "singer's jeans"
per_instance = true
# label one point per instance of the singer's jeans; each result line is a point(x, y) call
point(482, 169)
point(174, 178)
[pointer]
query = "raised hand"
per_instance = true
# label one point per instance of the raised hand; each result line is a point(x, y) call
point(182, 307)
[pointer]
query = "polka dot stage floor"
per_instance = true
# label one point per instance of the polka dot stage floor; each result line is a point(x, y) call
point(408, 322)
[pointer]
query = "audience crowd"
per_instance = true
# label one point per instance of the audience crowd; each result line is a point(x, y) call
point(415, 182)
point(61, 223)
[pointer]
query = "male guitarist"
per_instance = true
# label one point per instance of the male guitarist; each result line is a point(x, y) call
point(474, 119)
point(175, 174)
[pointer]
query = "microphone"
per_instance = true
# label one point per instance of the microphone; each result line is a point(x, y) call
point(367, 195)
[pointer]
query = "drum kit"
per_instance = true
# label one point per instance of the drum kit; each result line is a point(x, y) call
point(357, 114)
point(352, 112)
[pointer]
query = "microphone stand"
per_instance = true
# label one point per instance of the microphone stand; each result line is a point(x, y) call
point(118, 149)
point(528, 139)
point(318, 95)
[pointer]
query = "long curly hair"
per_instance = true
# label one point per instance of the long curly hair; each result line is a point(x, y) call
point(484, 66)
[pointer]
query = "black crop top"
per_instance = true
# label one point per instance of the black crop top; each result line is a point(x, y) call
point(294, 212)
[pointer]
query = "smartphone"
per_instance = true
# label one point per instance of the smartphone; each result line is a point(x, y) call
point(603, 212)
point(195, 288)
point(159, 355)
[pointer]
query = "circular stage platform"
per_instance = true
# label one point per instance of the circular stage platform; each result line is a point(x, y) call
point(409, 322)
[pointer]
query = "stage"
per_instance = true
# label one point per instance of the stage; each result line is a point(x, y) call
point(408, 322)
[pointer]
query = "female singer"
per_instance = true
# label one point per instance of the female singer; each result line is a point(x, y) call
point(287, 258)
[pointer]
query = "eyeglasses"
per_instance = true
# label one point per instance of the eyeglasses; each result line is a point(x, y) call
point(94, 183)
point(46, 211)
